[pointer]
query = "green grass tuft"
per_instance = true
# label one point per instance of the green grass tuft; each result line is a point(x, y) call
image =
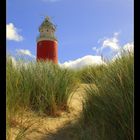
point(108, 108)
point(42, 87)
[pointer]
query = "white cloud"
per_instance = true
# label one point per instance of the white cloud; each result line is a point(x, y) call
point(127, 48)
point(12, 33)
point(82, 62)
point(112, 43)
point(116, 50)
point(24, 52)
point(97, 50)
point(116, 34)
point(94, 48)
point(74, 64)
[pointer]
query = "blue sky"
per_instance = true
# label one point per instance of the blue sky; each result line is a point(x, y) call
point(84, 27)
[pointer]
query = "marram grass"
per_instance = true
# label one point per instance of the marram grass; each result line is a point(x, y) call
point(44, 88)
point(41, 86)
point(109, 107)
point(47, 89)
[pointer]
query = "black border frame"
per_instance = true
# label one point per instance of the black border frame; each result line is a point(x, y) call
point(3, 70)
point(136, 70)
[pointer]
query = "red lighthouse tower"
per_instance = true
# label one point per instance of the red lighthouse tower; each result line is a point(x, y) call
point(47, 42)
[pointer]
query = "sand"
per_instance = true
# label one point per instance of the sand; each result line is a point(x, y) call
point(54, 128)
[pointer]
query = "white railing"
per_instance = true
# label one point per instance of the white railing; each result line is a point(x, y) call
point(40, 37)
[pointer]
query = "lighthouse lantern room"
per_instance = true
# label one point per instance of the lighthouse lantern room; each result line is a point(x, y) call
point(47, 42)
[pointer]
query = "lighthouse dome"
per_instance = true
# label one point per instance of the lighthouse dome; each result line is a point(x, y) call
point(47, 24)
point(47, 30)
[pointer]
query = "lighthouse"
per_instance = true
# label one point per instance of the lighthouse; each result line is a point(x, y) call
point(47, 42)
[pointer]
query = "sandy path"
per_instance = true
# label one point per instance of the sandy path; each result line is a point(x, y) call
point(47, 128)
